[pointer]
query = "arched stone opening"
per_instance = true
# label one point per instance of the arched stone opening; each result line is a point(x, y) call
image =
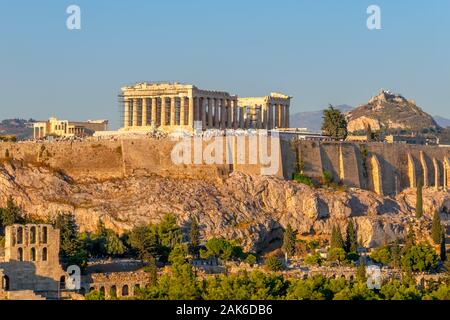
point(44, 254)
point(33, 235)
point(33, 254)
point(44, 235)
point(20, 235)
point(125, 291)
point(5, 283)
point(113, 292)
point(20, 254)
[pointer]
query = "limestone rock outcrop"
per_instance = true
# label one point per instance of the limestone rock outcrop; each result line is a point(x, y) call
point(252, 209)
point(389, 111)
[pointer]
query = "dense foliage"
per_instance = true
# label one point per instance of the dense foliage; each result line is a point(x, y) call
point(334, 124)
point(182, 283)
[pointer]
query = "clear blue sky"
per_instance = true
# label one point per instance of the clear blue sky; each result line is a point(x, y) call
point(318, 51)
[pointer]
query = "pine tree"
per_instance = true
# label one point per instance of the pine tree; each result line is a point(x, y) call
point(395, 254)
point(419, 201)
point(334, 124)
point(410, 240)
point(289, 241)
point(369, 133)
point(194, 236)
point(443, 247)
point(436, 229)
point(337, 241)
point(351, 243)
point(361, 272)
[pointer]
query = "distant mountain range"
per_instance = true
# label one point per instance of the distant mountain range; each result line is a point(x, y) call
point(442, 122)
point(312, 120)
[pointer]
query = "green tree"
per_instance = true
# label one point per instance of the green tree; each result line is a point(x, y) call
point(382, 255)
point(221, 249)
point(351, 240)
point(369, 133)
point(94, 295)
point(144, 241)
point(396, 255)
point(274, 264)
point(152, 270)
point(443, 248)
point(289, 240)
point(334, 124)
point(337, 241)
point(313, 260)
point(169, 232)
point(410, 239)
point(420, 258)
point(194, 236)
point(251, 259)
point(436, 228)
point(337, 255)
point(11, 214)
point(113, 246)
point(361, 272)
point(419, 200)
point(72, 248)
point(182, 284)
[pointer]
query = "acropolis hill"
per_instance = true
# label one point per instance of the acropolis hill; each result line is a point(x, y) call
point(126, 180)
point(131, 181)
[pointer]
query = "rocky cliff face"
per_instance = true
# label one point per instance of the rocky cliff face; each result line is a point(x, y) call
point(250, 208)
point(390, 111)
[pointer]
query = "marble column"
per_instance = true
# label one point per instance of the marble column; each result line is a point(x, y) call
point(210, 112)
point(264, 114)
point(286, 117)
point(202, 104)
point(259, 111)
point(144, 112)
point(229, 114)
point(191, 112)
point(241, 117)
point(217, 114)
point(281, 116)
point(135, 112)
point(182, 111)
point(270, 118)
point(154, 111)
point(173, 105)
point(235, 114)
point(126, 113)
point(163, 111)
point(223, 114)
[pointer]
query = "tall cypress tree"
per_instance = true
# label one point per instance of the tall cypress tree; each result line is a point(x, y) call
point(351, 242)
point(436, 228)
point(443, 247)
point(289, 241)
point(395, 254)
point(419, 200)
point(410, 239)
point(337, 241)
point(194, 236)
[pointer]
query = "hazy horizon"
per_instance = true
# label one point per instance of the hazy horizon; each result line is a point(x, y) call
point(319, 52)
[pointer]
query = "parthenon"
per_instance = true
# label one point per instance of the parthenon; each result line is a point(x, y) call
point(171, 106)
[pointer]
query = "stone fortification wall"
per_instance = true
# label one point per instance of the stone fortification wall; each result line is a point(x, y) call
point(383, 168)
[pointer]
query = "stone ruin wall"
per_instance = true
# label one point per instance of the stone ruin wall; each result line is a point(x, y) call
point(386, 169)
point(110, 159)
point(383, 168)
